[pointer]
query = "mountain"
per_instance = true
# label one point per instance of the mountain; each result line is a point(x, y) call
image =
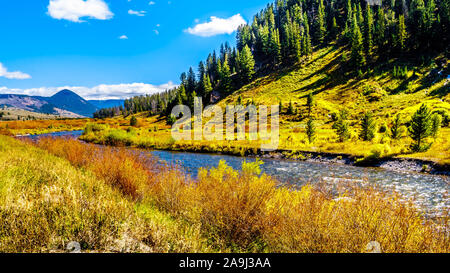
point(64, 103)
point(100, 104)
point(33, 104)
point(70, 101)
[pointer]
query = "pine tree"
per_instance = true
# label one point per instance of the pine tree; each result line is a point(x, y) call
point(183, 94)
point(291, 110)
point(401, 33)
point(368, 31)
point(201, 75)
point(349, 21)
point(225, 78)
point(341, 126)
point(192, 100)
point(357, 53)
point(334, 29)
point(191, 81)
point(380, 30)
point(368, 127)
point(307, 48)
point(247, 65)
point(275, 46)
point(311, 130)
point(321, 29)
point(436, 121)
point(310, 103)
point(396, 131)
point(421, 127)
point(133, 121)
point(418, 19)
point(207, 88)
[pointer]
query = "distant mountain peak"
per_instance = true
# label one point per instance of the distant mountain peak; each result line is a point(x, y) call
point(66, 92)
point(71, 101)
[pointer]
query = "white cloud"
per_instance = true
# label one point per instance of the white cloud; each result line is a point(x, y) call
point(17, 75)
point(73, 10)
point(217, 26)
point(123, 37)
point(151, 3)
point(100, 92)
point(137, 13)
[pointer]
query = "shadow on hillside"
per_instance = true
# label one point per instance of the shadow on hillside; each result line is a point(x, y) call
point(441, 92)
point(334, 75)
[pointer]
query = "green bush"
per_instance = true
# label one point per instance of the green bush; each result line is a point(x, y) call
point(133, 121)
point(118, 138)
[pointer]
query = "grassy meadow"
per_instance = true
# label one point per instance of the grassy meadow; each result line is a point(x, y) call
point(116, 200)
point(41, 126)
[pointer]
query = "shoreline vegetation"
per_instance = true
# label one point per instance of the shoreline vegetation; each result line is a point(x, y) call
point(113, 200)
point(117, 132)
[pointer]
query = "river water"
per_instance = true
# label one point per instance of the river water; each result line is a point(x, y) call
point(430, 192)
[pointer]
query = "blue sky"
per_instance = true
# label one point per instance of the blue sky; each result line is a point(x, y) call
point(110, 48)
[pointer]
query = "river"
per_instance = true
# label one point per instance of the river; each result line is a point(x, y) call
point(430, 192)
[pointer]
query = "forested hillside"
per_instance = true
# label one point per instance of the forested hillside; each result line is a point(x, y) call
point(410, 32)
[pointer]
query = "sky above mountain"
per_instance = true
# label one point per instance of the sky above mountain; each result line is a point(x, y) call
point(111, 49)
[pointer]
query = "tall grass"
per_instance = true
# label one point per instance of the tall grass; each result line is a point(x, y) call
point(45, 203)
point(250, 211)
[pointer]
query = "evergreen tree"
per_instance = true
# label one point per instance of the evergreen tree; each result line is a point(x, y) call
point(291, 110)
point(368, 31)
point(225, 78)
point(321, 29)
point(183, 95)
point(421, 127)
point(349, 21)
point(334, 29)
point(207, 86)
point(368, 127)
point(133, 121)
point(192, 100)
point(380, 30)
point(201, 75)
point(341, 126)
point(307, 47)
point(396, 131)
point(191, 81)
point(401, 34)
point(436, 122)
point(275, 46)
point(310, 103)
point(311, 130)
point(357, 52)
point(418, 21)
point(246, 65)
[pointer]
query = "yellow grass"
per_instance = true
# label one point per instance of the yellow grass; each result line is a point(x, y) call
point(45, 203)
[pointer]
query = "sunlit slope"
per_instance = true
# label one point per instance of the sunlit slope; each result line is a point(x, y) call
point(336, 87)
